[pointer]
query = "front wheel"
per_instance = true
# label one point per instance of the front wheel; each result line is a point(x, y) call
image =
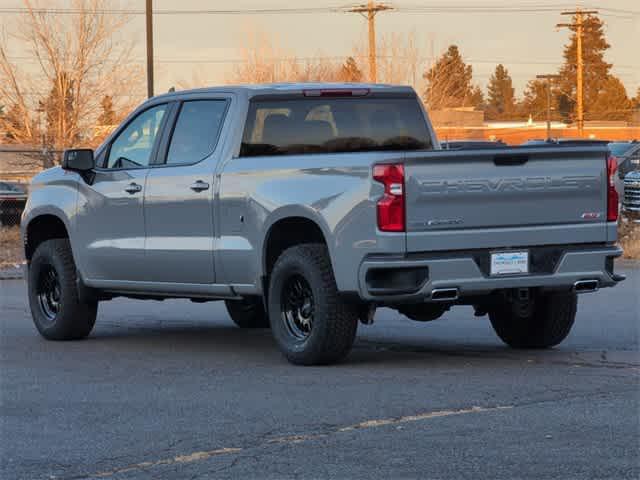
point(543, 321)
point(311, 324)
point(53, 294)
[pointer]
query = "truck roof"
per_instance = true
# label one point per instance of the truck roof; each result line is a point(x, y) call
point(288, 88)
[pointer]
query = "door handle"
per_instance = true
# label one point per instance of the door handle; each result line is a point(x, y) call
point(133, 188)
point(199, 186)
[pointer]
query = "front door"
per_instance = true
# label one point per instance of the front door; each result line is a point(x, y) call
point(179, 196)
point(110, 221)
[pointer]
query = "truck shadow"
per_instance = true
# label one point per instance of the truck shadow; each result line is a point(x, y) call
point(222, 343)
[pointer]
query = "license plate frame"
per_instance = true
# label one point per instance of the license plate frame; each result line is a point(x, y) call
point(509, 262)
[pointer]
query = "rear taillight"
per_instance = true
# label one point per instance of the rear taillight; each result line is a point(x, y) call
point(391, 206)
point(612, 194)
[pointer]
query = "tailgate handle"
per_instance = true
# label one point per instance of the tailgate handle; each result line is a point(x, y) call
point(510, 159)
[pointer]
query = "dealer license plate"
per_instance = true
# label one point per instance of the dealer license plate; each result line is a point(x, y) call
point(509, 263)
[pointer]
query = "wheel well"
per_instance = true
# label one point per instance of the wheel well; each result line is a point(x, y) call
point(286, 233)
point(40, 229)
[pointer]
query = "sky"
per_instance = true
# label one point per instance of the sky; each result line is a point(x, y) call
point(204, 46)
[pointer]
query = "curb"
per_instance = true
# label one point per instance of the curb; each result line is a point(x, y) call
point(628, 262)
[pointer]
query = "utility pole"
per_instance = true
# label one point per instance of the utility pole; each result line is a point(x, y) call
point(548, 78)
point(577, 26)
point(369, 12)
point(149, 19)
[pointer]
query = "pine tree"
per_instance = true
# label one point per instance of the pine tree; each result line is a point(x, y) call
point(612, 102)
point(501, 103)
point(108, 114)
point(449, 83)
point(349, 72)
point(477, 98)
point(534, 101)
point(596, 70)
point(13, 122)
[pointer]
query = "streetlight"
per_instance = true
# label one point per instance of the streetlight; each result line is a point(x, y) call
point(548, 78)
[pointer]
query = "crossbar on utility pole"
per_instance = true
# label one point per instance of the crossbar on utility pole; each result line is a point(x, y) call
point(149, 21)
point(577, 26)
point(548, 78)
point(369, 11)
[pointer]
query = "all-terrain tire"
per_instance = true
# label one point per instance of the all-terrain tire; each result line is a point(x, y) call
point(334, 322)
point(544, 324)
point(70, 319)
point(248, 312)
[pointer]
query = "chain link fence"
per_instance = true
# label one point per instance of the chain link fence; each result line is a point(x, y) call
point(10, 211)
point(18, 164)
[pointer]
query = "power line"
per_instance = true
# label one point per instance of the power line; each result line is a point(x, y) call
point(258, 11)
point(504, 61)
point(519, 8)
point(406, 8)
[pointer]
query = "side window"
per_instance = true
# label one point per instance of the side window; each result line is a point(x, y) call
point(196, 131)
point(132, 147)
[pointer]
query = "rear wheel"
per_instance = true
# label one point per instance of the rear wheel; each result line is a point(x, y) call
point(311, 323)
point(248, 312)
point(543, 321)
point(53, 294)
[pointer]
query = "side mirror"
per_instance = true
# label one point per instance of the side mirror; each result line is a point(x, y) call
point(79, 160)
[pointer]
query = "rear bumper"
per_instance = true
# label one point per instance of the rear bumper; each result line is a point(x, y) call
point(467, 272)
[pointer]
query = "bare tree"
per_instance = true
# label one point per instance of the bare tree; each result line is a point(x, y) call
point(400, 60)
point(80, 58)
point(264, 61)
point(398, 56)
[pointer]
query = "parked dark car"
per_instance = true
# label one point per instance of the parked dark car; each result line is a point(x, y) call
point(565, 142)
point(631, 199)
point(12, 201)
point(628, 156)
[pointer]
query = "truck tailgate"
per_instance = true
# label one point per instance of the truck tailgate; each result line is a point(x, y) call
point(505, 198)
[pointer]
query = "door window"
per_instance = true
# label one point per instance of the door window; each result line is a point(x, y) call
point(133, 146)
point(196, 132)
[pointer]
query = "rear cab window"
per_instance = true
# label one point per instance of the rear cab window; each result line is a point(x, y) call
point(196, 131)
point(331, 125)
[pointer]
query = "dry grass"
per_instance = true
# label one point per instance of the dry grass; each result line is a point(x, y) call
point(10, 246)
point(629, 236)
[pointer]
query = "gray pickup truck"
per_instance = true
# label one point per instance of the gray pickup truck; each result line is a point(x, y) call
point(307, 206)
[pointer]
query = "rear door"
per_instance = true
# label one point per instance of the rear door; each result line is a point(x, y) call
point(503, 198)
point(179, 196)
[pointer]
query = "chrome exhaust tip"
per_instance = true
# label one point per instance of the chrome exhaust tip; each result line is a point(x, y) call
point(444, 294)
point(585, 286)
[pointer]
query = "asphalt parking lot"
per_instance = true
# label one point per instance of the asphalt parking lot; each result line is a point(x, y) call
point(174, 390)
